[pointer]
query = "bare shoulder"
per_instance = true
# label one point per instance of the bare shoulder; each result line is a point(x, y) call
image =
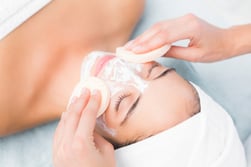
point(40, 61)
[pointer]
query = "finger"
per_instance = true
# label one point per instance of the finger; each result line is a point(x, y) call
point(60, 127)
point(74, 114)
point(88, 117)
point(158, 40)
point(103, 145)
point(184, 53)
point(166, 32)
point(59, 133)
point(143, 37)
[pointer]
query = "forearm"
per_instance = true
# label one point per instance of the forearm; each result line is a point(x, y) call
point(239, 40)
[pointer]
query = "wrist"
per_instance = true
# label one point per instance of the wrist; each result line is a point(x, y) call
point(230, 43)
point(238, 40)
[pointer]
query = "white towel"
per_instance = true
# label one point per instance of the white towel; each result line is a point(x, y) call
point(248, 150)
point(15, 12)
point(208, 139)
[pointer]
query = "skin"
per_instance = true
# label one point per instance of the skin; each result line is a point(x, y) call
point(176, 102)
point(199, 32)
point(129, 102)
point(79, 141)
point(40, 61)
point(75, 144)
point(208, 43)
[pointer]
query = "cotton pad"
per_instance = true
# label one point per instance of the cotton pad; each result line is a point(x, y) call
point(143, 57)
point(94, 83)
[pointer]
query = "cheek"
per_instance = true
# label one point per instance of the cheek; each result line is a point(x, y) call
point(112, 119)
point(143, 124)
point(161, 112)
point(156, 121)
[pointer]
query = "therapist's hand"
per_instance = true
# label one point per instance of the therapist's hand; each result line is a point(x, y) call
point(75, 142)
point(207, 42)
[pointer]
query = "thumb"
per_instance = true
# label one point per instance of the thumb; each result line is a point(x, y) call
point(184, 53)
point(103, 145)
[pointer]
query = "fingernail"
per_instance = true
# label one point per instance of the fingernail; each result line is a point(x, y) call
point(129, 44)
point(73, 99)
point(95, 92)
point(63, 115)
point(138, 49)
point(84, 91)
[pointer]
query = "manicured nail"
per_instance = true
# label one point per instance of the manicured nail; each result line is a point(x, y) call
point(84, 91)
point(95, 92)
point(138, 49)
point(63, 115)
point(72, 100)
point(129, 44)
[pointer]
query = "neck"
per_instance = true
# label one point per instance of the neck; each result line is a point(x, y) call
point(41, 59)
point(47, 67)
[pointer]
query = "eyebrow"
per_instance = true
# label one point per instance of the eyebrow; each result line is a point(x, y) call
point(164, 73)
point(132, 108)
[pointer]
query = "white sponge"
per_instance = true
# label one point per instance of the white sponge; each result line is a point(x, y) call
point(94, 83)
point(143, 57)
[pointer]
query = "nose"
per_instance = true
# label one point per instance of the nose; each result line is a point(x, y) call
point(100, 63)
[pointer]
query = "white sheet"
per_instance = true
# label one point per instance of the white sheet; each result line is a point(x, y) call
point(15, 12)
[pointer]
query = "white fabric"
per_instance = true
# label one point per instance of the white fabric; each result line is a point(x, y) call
point(15, 12)
point(208, 139)
point(248, 150)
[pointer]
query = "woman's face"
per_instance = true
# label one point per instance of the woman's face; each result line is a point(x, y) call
point(145, 98)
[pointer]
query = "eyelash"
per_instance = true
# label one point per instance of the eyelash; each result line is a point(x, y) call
point(119, 100)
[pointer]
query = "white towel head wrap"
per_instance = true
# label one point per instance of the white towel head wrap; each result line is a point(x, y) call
point(209, 138)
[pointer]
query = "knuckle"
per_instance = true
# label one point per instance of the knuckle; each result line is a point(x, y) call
point(196, 24)
point(74, 108)
point(158, 26)
point(163, 36)
point(73, 115)
point(193, 20)
point(93, 104)
point(190, 16)
point(65, 148)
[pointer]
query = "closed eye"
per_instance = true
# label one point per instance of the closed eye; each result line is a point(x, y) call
point(130, 111)
point(119, 100)
point(136, 101)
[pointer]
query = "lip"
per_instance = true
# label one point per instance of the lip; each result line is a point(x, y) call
point(100, 63)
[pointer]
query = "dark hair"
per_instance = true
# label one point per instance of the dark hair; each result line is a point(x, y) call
point(196, 105)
